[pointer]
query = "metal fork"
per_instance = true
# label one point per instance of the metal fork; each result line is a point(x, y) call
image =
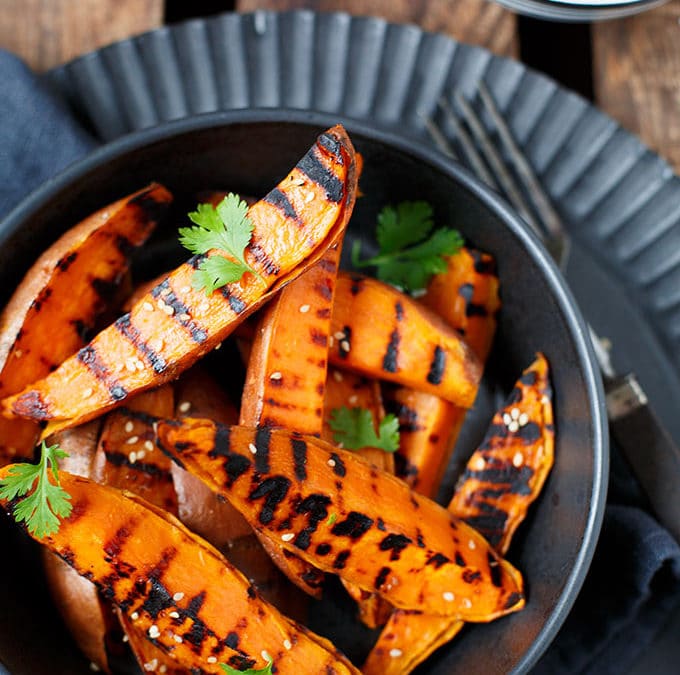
point(648, 447)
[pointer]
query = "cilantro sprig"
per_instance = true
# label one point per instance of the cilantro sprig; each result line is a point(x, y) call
point(353, 427)
point(225, 227)
point(48, 501)
point(410, 249)
point(267, 670)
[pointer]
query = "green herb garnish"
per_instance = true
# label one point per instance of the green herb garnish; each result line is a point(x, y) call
point(267, 670)
point(331, 519)
point(48, 503)
point(353, 427)
point(227, 228)
point(410, 252)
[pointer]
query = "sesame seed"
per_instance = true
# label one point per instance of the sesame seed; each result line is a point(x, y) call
point(18, 353)
point(506, 419)
point(129, 426)
point(345, 345)
point(253, 448)
point(148, 445)
point(212, 659)
point(304, 309)
point(337, 376)
point(168, 309)
point(185, 289)
point(331, 340)
point(265, 655)
point(174, 615)
point(132, 457)
point(478, 463)
point(218, 345)
point(518, 459)
point(514, 413)
point(139, 364)
point(151, 665)
point(309, 197)
point(471, 545)
point(130, 365)
point(165, 291)
point(132, 439)
point(276, 375)
point(163, 668)
point(331, 462)
point(154, 632)
point(94, 667)
point(467, 603)
point(289, 536)
point(178, 596)
point(87, 392)
point(134, 616)
point(126, 638)
point(418, 292)
point(287, 644)
point(448, 596)
point(178, 639)
point(183, 317)
point(148, 306)
point(156, 344)
point(513, 427)
point(141, 454)
point(184, 406)
point(395, 653)
point(297, 181)
point(353, 399)
point(523, 419)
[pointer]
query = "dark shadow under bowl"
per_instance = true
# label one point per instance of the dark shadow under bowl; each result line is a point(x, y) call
point(249, 151)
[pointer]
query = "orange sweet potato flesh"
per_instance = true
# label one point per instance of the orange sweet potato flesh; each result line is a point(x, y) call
point(342, 515)
point(153, 568)
point(61, 297)
point(466, 297)
point(503, 477)
point(172, 326)
point(384, 334)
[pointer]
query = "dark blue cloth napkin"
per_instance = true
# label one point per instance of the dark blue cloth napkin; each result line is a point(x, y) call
point(634, 581)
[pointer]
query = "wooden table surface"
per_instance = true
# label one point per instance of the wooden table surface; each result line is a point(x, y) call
point(635, 64)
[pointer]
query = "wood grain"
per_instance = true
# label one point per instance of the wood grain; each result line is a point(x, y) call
point(478, 22)
point(637, 76)
point(46, 33)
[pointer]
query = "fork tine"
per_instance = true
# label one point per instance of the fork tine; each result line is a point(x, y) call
point(549, 218)
point(507, 182)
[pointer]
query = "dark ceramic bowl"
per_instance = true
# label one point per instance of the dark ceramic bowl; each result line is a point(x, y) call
point(249, 151)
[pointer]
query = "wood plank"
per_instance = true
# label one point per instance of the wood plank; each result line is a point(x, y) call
point(637, 76)
point(478, 22)
point(46, 33)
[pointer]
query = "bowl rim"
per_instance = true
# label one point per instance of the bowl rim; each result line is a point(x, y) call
point(39, 197)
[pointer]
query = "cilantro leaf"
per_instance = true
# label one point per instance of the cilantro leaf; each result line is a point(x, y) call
point(226, 228)
point(409, 252)
point(48, 503)
point(353, 427)
point(267, 670)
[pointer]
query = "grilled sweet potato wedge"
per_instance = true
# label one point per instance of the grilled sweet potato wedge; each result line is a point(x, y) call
point(173, 325)
point(61, 297)
point(503, 477)
point(386, 335)
point(336, 511)
point(174, 587)
point(466, 297)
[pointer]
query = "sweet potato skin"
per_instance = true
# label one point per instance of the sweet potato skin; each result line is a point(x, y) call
point(381, 333)
point(502, 478)
point(61, 297)
point(342, 515)
point(152, 567)
point(174, 325)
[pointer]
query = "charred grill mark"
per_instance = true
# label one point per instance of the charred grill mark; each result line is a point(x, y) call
point(235, 465)
point(474, 309)
point(332, 146)
point(104, 288)
point(506, 474)
point(231, 640)
point(315, 506)
point(490, 526)
point(529, 433)
point(494, 570)
point(151, 208)
point(357, 285)
point(381, 578)
point(32, 405)
point(300, 458)
point(354, 526)
point(198, 631)
point(196, 260)
point(128, 330)
point(121, 459)
point(512, 600)
point(470, 576)
point(313, 578)
point(113, 546)
point(529, 378)
point(323, 549)
point(312, 166)
point(389, 363)
point(324, 289)
point(395, 543)
point(84, 331)
point(323, 313)
point(466, 291)
point(66, 261)
point(399, 310)
point(158, 599)
point(274, 491)
point(270, 267)
point(279, 200)
point(381, 525)
point(437, 560)
point(41, 298)
point(338, 465)
point(263, 437)
point(483, 264)
point(437, 366)
point(180, 312)
point(90, 359)
point(460, 561)
point(318, 337)
point(341, 560)
point(239, 662)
